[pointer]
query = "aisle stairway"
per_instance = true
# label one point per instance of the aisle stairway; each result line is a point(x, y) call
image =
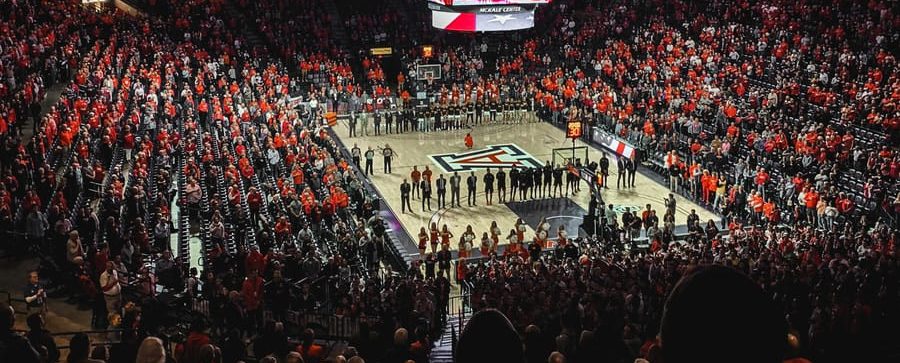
point(442, 352)
point(460, 312)
point(252, 36)
point(340, 35)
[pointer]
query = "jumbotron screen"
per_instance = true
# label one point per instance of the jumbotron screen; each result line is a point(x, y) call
point(488, 2)
point(483, 15)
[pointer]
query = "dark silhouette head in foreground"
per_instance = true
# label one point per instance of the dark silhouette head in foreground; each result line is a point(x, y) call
point(718, 314)
point(489, 337)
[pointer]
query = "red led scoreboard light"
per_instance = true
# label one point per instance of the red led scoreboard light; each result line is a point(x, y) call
point(483, 15)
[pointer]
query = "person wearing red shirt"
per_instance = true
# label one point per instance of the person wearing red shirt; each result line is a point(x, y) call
point(252, 294)
point(757, 203)
point(245, 167)
point(762, 177)
point(811, 199)
point(283, 229)
point(415, 175)
point(196, 340)
point(128, 142)
point(770, 212)
point(308, 349)
point(255, 260)
point(234, 196)
point(705, 186)
point(844, 204)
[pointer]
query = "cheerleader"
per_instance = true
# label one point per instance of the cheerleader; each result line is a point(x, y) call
point(495, 236)
point(543, 233)
point(466, 242)
point(487, 244)
point(561, 237)
point(520, 230)
point(434, 237)
point(446, 235)
point(513, 239)
point(423, 239)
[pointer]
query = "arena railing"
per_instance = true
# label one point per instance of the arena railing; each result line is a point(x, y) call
point(327, 326)
point(397, 238)
point(183, 244)
point(231, 242)
point(12, 301)
point(103, 337)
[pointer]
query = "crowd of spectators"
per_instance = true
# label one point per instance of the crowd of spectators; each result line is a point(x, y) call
point(778, 115)
point(150, 122)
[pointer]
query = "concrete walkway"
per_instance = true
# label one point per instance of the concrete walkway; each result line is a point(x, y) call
point(52, 97)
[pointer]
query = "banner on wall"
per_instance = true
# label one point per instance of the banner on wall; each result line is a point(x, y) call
point(613, 143)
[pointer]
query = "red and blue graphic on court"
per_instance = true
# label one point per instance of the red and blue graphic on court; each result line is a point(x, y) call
point(494, 156)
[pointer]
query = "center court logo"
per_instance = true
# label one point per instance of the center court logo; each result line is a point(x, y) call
point(494, 156)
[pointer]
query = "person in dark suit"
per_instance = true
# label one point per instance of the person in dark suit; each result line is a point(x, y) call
point(524, 183)
point(488, 179)
point(404, 196)
point(501, 185)
point(494, 107)
point(557, 180)
point(479, 112)
point(622, 165)
point(604, 170)
point(444, 257)
point(454, 189)
point(571, 179)
point(388, 121)
point(576, 177)
point(425, 187)
point(355, 154)
point(352, 125)
point(632, 171)
point(441, 186)
point(513, 183)
point(548, 179)
point(471, 186)
point(536, 175)
point(377, 123)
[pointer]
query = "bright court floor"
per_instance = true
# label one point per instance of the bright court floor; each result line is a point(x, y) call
point(537, 139)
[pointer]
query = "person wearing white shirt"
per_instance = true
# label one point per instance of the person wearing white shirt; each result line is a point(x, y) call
point(272, 156)
point(112, 290)
point(193, 192)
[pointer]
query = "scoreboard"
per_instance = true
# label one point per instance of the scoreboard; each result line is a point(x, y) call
point(483, 15)
point(486, 2)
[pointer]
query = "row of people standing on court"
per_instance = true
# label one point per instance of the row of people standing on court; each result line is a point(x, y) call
point(527, 183)
point(438, 117)
point(387, 153)
point(626, 171)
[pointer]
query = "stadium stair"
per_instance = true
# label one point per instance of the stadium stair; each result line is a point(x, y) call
point(254, 39)
point(442, 352)
point(339, 33)
point(337, 25)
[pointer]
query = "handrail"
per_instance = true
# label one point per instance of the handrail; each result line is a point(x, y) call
point(8, 296)
point(10, 299)
point(103, 332)
point(97, 331)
